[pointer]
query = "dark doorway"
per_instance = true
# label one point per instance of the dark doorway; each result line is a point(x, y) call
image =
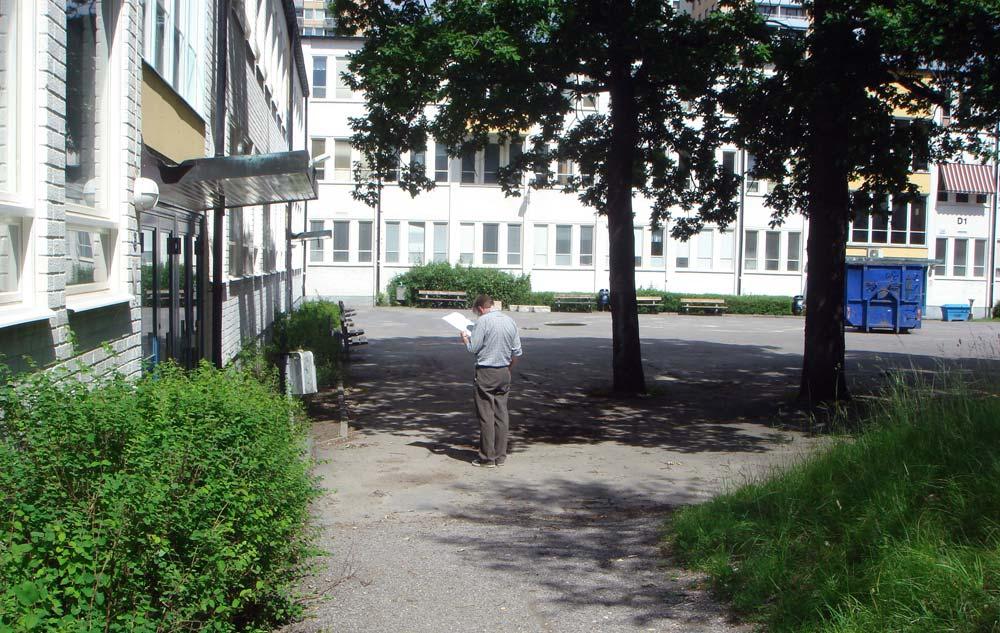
point(172, 287)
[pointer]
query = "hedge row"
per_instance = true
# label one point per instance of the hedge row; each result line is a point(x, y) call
point(175, 503)
point(498, 284)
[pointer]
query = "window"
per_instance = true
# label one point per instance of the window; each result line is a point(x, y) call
point(564, 245)
point(981, 198)
point(364, 242)
point(341, 241)
point(10, 257)
point(515, 150)
point(440, 163)
point(961, 197)
point(513, 244)
point(683, 257)
point(772, 244)
point(960, 256)
point(729, 163)
point(316, 245)
point(318, 149)
point(418, 163)
point(564, 171)
point(491, 243)
point(753, 185)
point(469, 166)
point(88, 257)
point(342, 168)
point(880, 228)
point(979, 258)
point(586, 246)
point(656, 248)
point(173, 31)
point(467, 242)
point(726, 245)
point(859, 228)
point(637, 245)
point(898, 219)
point(941, 256)
point(392, 242)
point(905, 224)
point(750, 249)
point(794, 257)
point(416, 243)
point(491, 163)
point(86, 74)
point(440, 242)
point(705, 239)
point(240, 239)
point(342, 90)
point(541, 245)
point(8, 102)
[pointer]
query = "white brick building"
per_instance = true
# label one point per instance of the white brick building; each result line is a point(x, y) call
point(95, 93)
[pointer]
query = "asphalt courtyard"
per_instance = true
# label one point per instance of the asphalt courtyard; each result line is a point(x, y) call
point(565, 536)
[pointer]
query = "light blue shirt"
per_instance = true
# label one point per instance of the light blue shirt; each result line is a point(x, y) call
point(494, 340)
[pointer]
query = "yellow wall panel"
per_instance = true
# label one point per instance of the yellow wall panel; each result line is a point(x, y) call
point(169, 125)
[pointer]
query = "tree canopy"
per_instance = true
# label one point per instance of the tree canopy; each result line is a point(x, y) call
point(463, 71)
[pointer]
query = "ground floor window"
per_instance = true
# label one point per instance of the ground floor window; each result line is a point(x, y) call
point(392, 242)
point(88, 257)
point(960, 257)
point(440, 242)
point(491, 243)
point(364, 242)
point(341, 241)
point(772, 251)
point(467, 241)
point(317, 245)
point(541, 245)
point(11, 258)
point(513, 244)
point(415, 250)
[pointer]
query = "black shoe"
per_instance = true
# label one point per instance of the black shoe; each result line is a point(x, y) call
point(483, 463)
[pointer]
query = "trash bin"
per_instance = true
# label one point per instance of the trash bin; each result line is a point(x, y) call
point(798, 305)
point(401, 294)
point(955, 312)
point(885, 294)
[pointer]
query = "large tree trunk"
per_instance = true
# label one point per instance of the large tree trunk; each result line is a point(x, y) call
point(626, 360)
point(823, 378)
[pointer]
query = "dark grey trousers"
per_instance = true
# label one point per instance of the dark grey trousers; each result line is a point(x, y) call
point(491, 388)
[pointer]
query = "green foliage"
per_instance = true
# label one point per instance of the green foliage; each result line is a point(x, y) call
point(897, 529)
point(742, 304)
point(503, 286)
point(175, 503)
point(996, 310)
point(310, 328)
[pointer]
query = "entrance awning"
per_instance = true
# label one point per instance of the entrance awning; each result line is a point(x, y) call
point(234, 181)
point(965, 178)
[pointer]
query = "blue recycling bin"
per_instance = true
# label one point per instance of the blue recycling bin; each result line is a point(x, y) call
point(956, 312)
point(885, 294)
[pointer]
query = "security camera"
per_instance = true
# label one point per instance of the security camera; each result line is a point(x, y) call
point(145, 194)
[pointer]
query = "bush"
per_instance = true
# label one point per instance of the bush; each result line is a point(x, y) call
point(176, 503)
point(897, 529)
point(502, 286)
point(736, 304)
point(996, 310)
point(309, 328)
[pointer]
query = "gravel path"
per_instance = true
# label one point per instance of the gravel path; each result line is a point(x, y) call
point(564, 537)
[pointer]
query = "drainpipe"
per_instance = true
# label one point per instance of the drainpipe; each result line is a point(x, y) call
point(991, 245)
point(219, 136)
point(739, 223)
point(305, 206)
point(289, 122)
point(378, 243)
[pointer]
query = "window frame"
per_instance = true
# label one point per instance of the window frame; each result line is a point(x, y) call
point(494, 254)
point(318, 244)
point(467, 238)
point(440, 247)
point(365, 246)
point(341, 255)
point(586, 254)
point(316, 86)
point(516, 228)
point(416, 257)
point(392, 254)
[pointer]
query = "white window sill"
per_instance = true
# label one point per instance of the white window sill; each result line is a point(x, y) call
point(19, 315)
point(95, 300)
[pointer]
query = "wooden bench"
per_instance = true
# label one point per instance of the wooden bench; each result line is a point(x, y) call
point(348, 335)
point(573, 302)
point(443, 297)
point(653, 304)
point(713, 306)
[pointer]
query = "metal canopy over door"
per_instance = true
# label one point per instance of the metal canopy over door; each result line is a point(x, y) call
point(172, 288)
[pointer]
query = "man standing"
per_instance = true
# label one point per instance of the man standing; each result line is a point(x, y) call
point(496, 344)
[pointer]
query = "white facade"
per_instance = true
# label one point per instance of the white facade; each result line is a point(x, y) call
point(562, 244)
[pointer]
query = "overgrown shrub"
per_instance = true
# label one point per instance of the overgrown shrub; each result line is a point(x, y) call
point(309, 327)
point(500, 285)
point(996, 310)
point(175, 503)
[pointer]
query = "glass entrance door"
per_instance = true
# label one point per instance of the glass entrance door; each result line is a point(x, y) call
point(170, 289)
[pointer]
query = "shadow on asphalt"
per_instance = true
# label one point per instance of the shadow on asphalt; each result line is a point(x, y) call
point(701, 393)
point(582, 545)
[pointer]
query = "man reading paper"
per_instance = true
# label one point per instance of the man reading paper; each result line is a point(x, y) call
point(496, 344)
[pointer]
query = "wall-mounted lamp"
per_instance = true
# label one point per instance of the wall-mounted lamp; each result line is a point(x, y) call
point(145, 194)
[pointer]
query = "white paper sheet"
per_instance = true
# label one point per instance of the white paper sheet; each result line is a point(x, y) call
point(458, 321)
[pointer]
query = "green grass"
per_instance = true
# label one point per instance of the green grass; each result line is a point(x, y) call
point(896, 529)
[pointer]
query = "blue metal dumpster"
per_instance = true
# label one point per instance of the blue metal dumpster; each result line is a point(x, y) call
point(883, 294)
point(956, 312)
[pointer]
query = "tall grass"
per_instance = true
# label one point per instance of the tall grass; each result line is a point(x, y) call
point(896, 529)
